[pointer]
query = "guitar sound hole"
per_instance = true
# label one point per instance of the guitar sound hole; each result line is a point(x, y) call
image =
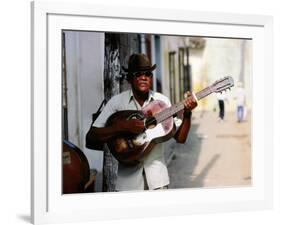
point(150, 122)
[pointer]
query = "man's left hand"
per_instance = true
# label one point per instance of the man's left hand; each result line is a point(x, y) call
point(189, 102)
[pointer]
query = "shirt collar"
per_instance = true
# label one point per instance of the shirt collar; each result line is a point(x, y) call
point(150, 96)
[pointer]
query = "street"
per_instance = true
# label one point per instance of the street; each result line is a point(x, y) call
point(216, 154)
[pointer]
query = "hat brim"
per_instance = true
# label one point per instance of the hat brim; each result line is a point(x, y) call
point(139, 69)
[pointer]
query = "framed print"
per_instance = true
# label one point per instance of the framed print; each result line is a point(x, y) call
point(83, 60)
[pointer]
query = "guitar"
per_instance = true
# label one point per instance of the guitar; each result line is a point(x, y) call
point(130, 149)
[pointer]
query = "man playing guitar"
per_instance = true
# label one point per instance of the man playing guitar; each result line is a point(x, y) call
point(151, 173)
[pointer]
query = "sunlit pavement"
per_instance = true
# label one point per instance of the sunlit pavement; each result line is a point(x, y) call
point(216, 154)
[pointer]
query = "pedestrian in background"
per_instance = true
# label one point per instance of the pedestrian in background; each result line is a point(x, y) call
point(221, 101)
point(240, 97)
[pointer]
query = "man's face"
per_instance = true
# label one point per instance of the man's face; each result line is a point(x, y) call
point(141, 81)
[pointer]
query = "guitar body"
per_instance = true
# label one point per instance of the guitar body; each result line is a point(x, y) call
point(130, 149)
point(158, 119)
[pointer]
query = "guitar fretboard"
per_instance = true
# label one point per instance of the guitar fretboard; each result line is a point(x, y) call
point(165, 114)
point(203, 93)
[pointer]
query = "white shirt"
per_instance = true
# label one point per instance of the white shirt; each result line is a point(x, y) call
point(221, 96)
point(131, 178)
point(240, 96)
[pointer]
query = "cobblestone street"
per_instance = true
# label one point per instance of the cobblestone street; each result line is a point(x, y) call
point(216, 154)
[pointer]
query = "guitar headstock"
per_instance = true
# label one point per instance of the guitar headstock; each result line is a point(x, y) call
point(222, 84)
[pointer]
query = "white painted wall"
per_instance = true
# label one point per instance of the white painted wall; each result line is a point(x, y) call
point(220, 58)
point(84, 63)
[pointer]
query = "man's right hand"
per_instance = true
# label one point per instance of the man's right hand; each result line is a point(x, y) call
point(134, 126)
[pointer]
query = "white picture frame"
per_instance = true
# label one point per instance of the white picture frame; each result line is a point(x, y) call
point(48, 205)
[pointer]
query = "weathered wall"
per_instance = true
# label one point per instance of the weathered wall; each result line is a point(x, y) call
point(84, 63)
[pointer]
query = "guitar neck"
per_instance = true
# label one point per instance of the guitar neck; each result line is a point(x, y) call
point(203, 93)
point(165, 114)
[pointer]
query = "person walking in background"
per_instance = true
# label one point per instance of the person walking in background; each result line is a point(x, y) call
point(240, 102)
point(221, 99)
